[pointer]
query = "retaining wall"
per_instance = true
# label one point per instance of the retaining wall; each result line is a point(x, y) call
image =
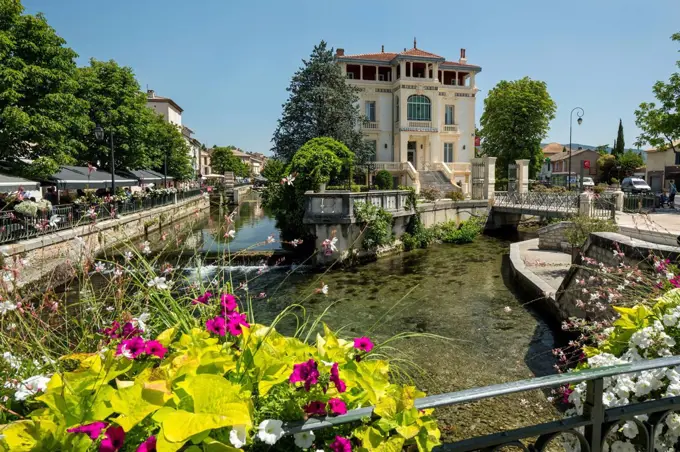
point(553, 236)
point(444, 210)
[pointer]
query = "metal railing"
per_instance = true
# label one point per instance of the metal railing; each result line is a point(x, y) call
point(596, 421)
point(603, 205)
point(642, 202)
point(15, 226)
point(538, 201)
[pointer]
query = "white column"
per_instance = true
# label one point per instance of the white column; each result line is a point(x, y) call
point(376, 73)
point(522, 175)
point(402, 65)
point(361, 72)
point(489, 177)
point(403, 143)
point(436, 149)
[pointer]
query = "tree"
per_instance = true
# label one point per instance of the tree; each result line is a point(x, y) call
point(40, 114)
point(222, 159)
point(606, 165)
point(660, 124)
point(602, 149)
point(320, 104)
point(515, 120)
point(117, 104)
point(629, 161)
point(619, 143)
point(165, 140)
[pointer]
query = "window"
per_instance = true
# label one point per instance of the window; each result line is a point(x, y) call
point(370, 111)
point(418, 108)
point(448, 152)
point(449, 117)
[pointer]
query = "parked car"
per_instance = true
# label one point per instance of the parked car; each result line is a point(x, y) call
point(635, 185)
point(588, 182)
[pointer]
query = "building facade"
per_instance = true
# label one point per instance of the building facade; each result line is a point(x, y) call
point(663, 166)
point(560, 166)
point(419, 111)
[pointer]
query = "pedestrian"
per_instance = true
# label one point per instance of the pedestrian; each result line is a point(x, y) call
point(671, 196)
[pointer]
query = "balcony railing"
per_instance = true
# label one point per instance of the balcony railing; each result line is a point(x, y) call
point(420, 124)
point(369, 125)
point(450, 128)
point(461, 167)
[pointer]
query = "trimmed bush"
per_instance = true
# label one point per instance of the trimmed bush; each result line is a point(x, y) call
point(431, 194)
point(383, 180)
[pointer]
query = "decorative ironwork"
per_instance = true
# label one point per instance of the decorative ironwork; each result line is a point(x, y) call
point(642, 202)
point(478, 169)
point(591, 429)
point(512, 177)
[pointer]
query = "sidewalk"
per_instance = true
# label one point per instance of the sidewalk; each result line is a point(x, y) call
point(657, 227)
point(539, 272)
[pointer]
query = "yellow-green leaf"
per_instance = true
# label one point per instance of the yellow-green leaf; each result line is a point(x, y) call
point(136, 402)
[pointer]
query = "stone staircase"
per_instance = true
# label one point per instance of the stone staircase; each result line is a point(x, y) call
point(436, 180)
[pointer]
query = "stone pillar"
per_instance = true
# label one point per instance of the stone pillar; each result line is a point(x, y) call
point(489, 177)
point(361, 72)
point(618, 200)
point(585, 205)
point(436, 152)
point(403, 144)
point(522, 175)
point(376, 73)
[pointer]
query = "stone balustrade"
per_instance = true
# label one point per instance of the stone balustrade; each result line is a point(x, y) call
point(337, 207)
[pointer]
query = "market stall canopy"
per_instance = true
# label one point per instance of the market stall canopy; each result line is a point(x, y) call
point(75, 177)
point(10, 184)
point(146, 176)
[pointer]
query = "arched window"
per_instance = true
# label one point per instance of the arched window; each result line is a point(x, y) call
point(418, 108)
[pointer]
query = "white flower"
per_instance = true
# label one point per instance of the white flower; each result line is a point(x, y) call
point(54, 220)
point(6, 306)
point(621, 446)
point(324, 289)
point(118, 272)
point(670, 319)
point(507, 309)
point(31, 386)
point(124, 351)
point(237, 436)
point(128, 255)
point(231, 233)
point(140, 322)
point(271, 238)
point(8, 276)
point(669, 275)
point(13, 361)
point(146, 248)
point(270, 431)
point(99, 267)
point(304, 440)
point(630, 429)
point(334, 240)
point(159, 282)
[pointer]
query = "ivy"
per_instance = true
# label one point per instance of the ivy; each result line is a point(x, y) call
point(378, 231)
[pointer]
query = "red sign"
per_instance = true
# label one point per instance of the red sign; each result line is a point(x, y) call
point(586, 164)
point(478, 141)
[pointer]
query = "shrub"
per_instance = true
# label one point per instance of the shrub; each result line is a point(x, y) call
point(614, 181)
point(378, 230)
point(383, 180)
point(355, 188)
point(431, 194)
point(31, 209)
point(456, 195)
point(582, 226)
point(599, 188)
point(465, 232)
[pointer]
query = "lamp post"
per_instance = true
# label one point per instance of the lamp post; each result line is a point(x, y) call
point(579, 115)
point(99, 134)
point(370, 168)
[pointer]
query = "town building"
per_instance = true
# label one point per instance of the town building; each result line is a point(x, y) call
point(560, 166)
point(204, 162)
point(550, 151)
point(419, 112)
point(255, 163)
point(663, 166)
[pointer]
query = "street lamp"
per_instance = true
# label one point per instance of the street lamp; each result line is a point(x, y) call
point(99, 134)
point(579, 114)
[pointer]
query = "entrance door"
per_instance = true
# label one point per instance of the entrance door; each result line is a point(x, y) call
point(411, 152)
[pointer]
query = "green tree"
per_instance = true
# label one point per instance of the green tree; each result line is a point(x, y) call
point(166, 141)
point(629, 161)
point(606, 166)
point(619, 143)
point(602, 149)
point(117, 104)
point(660, 124)
point(320, 104)
point(222, 159)
point(515, 120)
point(40, 113)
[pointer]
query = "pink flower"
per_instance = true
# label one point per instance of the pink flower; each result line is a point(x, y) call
point(228, 302)
point(341, 445)
point(306, 372)
point(112, 332)
point(235, 323)
point(217, 326)
point(315, 408)
point(129, 330)
point(203, 299)
point(92, 430)
point(335, 378)
point(337, 406)
point(113, 441)
point(131, 348)
point(363, 344)
point(148, 446)
point(155, 348)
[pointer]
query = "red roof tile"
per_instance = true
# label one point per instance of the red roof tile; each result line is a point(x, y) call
point(420, 53)
point(389, 56)
point(383, 56)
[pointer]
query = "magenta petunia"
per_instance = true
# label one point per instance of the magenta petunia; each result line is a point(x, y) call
point(203, 299)
point(341, 445)
point(148, 446)
point(335, 379)
point(92, 430)
point(113, 331)
point(129, 330)
point(315, 408)
point(228, 303)
point(337, 406)
point(113, 440)
point(131, 348)
point(155, 348)
point(363, 343)
point(235, 323)
point(217, 325)
point(306, 372)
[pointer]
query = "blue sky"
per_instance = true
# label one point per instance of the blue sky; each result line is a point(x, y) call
point(228, 62)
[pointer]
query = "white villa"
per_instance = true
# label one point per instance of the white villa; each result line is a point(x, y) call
point(419, 111)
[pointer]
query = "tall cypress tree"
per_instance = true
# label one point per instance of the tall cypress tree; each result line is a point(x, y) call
point(619, 144)
point(321, 104)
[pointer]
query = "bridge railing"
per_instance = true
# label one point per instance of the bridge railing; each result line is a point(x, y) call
point(549, 202)
point(589, 429)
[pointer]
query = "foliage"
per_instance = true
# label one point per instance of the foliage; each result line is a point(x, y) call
point(167, 138)
point(378, 230)
point(39, 169)
point(660, 124)
point(602, 149)
point(465, 232)
point(621, 166)
point(606, 165)
point(274, 170)
point(541, 188)
point(614, 181)
point(355, 188)
point(222, 160)
point(582, 226)
point(600, 188)
point(317, 160)
point(430, 194)
point(619, 143)
point(320, 104)
point(31, 208)
point(630, 161)
point(383, 180)
point(516, 118)
point(456, 195)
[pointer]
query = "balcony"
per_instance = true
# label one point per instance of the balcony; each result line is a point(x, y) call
point(420, 124)
point(371, 125)
point(450, 128)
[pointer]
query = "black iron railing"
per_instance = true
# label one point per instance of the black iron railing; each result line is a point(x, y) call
point(15, 226)
point(642, 202)
point(596, 422)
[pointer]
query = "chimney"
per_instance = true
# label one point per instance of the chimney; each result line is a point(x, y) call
point(339, 52)
point(382, 49)
point(150, 93)
point(462, 60)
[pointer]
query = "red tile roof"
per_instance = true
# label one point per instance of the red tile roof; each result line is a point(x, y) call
point(383, 56)
point(389, 56)
point(420, 53)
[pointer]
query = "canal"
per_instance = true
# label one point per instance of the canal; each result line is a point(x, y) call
point(472, 328)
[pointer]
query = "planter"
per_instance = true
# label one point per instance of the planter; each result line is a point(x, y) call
point(322, 188)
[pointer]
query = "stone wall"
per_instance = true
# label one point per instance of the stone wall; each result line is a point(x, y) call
point(51, 256)
point(444, 210)
point(553, 236)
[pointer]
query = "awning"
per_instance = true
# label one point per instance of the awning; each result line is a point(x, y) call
point(146, 176)
point(10, 184)
point(75, 177)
